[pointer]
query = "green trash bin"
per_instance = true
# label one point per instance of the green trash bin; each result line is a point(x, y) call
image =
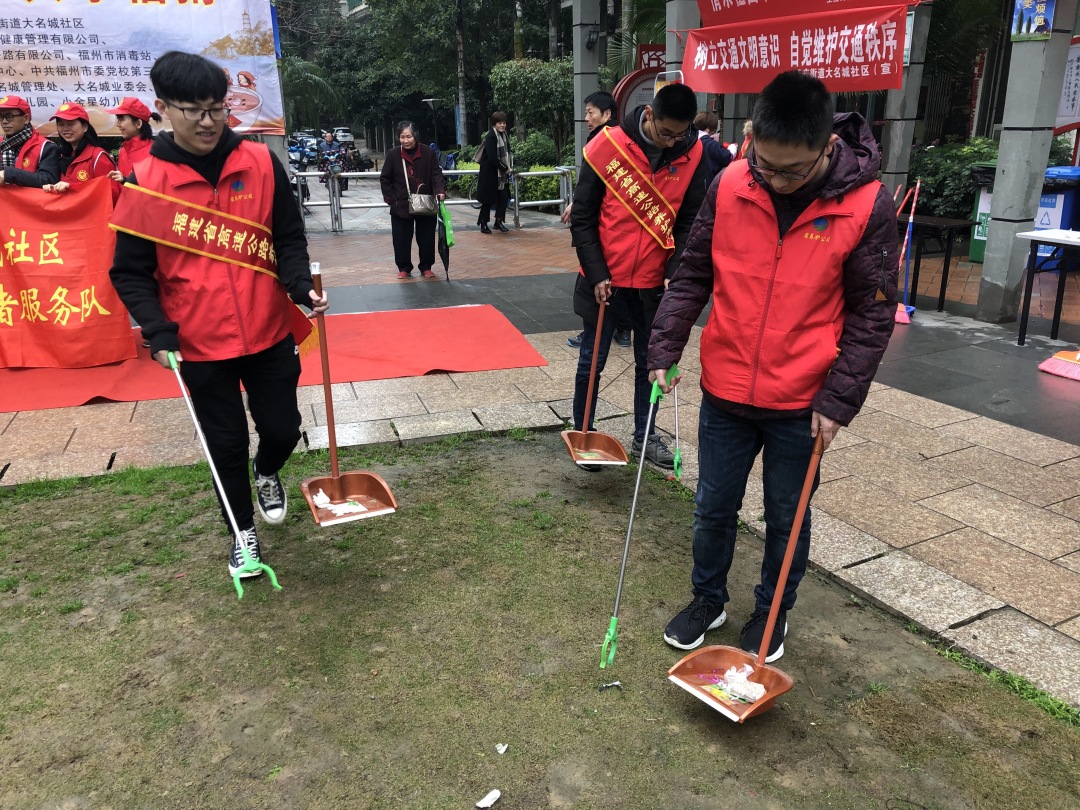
point(982, 173)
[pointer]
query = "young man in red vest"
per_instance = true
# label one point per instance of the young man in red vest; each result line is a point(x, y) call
point(640, 187)
point(801, 269)
point(210, 247)
point(28, 157)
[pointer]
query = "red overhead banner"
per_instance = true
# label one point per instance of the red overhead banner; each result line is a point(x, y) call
point(58, 308)
point(724, 12)
point(850, 50)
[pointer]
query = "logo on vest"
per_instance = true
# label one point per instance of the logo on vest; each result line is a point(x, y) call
point(82, 175)
point(820, 225)
point(237, 189)
point(26, 162)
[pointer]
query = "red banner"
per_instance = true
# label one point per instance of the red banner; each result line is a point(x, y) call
point(725, 12)
point(849, 50)
point(58, 308)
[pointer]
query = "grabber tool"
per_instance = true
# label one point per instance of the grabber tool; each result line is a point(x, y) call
point(607, 651)
point(249, 566)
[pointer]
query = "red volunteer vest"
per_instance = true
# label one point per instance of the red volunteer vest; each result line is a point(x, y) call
point(132, 151)
point(30, 154)
point(93, 162)
point(225, 309)
point(778, 304)
point(635, 256)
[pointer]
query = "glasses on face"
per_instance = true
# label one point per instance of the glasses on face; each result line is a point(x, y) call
point(11, 116)
point(664, 135)
point(197, 113)
point(787, 174)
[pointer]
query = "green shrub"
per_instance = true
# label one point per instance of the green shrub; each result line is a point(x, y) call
point(538, 188)
point(461, 185)
point(535, 150)
point(948, 189)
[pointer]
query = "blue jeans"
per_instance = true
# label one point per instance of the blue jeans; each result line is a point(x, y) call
point(727, 447)
point(626, 302)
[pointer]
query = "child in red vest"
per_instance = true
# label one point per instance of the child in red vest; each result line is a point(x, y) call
point(210, 247)
point(801, 269)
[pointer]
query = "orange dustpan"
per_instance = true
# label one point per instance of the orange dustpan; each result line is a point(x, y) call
point(341, 497)
point(593, 447)
point(699, 673)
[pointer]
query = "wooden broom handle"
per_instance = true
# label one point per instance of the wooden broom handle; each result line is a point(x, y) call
point(324, 353)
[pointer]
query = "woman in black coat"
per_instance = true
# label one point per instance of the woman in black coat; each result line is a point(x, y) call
point(411, 168)
point(493, 184)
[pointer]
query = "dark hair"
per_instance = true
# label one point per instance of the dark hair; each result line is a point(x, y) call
point(674, 102)
point(498, 117)
point(794, 109)
point(146, 132)
point(401, 126)
point(604, 102)
point(179, 76)
point(707, 121)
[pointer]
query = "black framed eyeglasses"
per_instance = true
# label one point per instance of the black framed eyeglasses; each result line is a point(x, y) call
point(198, 113)
point(11, 116)
point(767, 171)
point(667, 136)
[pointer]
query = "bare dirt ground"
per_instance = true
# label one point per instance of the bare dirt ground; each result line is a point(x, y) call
point(404, 648)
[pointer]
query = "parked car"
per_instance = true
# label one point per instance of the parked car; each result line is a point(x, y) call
point(343, 135)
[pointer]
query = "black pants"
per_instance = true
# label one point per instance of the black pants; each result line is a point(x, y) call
point(270, 379)
point(402, 231)
point(500, 208)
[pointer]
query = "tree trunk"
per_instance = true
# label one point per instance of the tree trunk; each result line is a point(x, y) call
point(459, 33)
point(554, 7)
point(519, 39)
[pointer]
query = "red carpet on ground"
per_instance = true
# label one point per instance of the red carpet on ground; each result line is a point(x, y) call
point(364, 346)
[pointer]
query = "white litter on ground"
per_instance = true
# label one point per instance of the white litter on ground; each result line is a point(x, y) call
point(490, 799)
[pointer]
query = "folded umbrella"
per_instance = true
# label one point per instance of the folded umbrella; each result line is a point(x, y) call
point(446, 236)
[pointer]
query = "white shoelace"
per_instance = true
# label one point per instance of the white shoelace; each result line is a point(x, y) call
point(268, 491)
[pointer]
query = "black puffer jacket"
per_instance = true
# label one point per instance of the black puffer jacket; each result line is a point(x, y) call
point(871, 305)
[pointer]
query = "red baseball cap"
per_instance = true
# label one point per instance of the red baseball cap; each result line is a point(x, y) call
point(15, 103)
point(70, 111)
point(133, 107)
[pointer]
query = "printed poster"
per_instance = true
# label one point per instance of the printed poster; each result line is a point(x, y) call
point(1032, 19)
point(96, 52)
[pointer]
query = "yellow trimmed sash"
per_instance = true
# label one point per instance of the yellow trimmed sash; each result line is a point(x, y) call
point(623, 178)
point(194, 229)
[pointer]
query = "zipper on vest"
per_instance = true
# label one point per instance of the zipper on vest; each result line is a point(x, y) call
point(764, 318)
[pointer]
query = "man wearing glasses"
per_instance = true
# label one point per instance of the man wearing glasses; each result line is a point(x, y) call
point(210, 248)
point(801, 267)
point(29, 158)
point(640, 187)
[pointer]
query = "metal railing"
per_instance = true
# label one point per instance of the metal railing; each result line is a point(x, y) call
point(336, 205)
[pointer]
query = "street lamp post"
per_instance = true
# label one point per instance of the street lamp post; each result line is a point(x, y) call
point(434, 104)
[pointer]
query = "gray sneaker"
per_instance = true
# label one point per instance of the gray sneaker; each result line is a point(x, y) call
point(656, 451)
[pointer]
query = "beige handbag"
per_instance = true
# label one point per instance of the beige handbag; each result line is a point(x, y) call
point(420, 205)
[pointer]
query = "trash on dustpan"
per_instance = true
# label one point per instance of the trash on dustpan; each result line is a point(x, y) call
point(490, 799)
point(501, 748)
point(322, 500)
point(735, 685)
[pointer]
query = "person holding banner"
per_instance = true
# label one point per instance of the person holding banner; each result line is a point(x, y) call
point(641, 185)
point(29, 158)
point(801, 270)
point(133, 120)
point(81, 155)
point(210, 247)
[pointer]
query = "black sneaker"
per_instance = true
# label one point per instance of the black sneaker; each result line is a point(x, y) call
point(270, 497)
point(575, 341)
point(750, 641)
point(622, 337)
point(687, 630)
point(236, 556)
point(656, 451)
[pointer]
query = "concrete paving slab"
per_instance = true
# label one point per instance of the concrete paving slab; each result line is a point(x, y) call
point(1009, 519)
point(845, 438)
point(880, 513)
point(1070, 468)
point(1069, 508)
point(1016, 643)
point(497, 418)
point(834, 544)
point(1010, 475)
point(497, 378)
point(169, 414)
point(5, 420)
point(472, 398)
point(315, 395)
point(433, 426)
point(427, 383)
point(938, 602)
point(831, 472)
point(564, 409)
point(375, 433)
point(1041, 589)
point(179, 453)
point(102, 413)
point(905, 436)
point(909, 476)
point(1071, 628)
point(920, 410)
point(1013, 441)
point(113, 437)
point(1070, 561)
point(24, 441)
point(374, 406)
point(546, 391)
point(62, 465)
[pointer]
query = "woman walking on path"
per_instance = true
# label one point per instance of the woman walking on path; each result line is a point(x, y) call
point(411, 168)
point(133, 120)
point(81, 155)
point(493, 184)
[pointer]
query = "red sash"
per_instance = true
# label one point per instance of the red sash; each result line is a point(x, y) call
point(192, 228)
point(623, 178)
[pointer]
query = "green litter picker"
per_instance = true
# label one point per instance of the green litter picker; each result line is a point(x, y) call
point(607, 652)
point(249, 566)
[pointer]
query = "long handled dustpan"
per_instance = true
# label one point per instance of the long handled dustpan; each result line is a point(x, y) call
point(592, 447)
point(249, 566)
point(607, 651)
point(699, 672)
point(341, 497)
